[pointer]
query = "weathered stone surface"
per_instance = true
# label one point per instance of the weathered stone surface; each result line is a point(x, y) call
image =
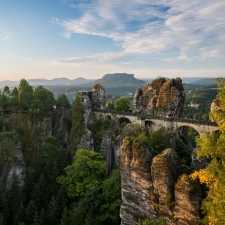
point(161, 97)
point(214, 106)
point(98, 97)
point(188, 199)
point(165, 170)
point(107, 151)
point(135, 160)
point(87, 141)
point(61, 131)
point(87, 104)
point(15, 165)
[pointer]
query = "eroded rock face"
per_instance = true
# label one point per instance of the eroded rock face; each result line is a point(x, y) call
point(165, 171)
point(87, 104)
point(188, 197)
point(161, 97)
point(135, 160)
point(107, 152)
point(214, 106)
point(86, 141)
point(98, 97)
point(14, 165)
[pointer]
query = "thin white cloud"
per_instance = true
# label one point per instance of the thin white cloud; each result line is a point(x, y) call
point(4, 38)
point(19, 57)
point(141, 27)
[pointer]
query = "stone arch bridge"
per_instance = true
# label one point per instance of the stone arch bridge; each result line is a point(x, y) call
point(156, 122)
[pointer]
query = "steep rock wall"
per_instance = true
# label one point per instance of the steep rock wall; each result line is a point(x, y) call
point(161, 97)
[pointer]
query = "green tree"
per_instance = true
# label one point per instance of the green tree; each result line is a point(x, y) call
point(151, 221)
point(123, 104)
point(212, 146)
point(6, 90)
point(24, 94)
point(62, 100)
point(111, 199)
point(78, 125)
point(52, 212)
point(159, 139)
point(66, 217)
point(42, 103)
point(87, 171)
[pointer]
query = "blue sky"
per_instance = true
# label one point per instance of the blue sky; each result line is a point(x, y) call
point(89, 38)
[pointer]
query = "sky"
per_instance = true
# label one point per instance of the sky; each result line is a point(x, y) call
point(90, 38)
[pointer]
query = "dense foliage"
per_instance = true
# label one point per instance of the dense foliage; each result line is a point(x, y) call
point(212, 146)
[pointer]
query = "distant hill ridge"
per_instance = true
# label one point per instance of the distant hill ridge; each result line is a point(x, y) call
point(119, 79)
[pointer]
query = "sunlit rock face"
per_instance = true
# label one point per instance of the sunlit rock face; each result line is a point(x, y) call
point(98, 97)
point(187, 203)
point(214, 106)
point(135, 160)
point(161, 97)
point(165, 171)
point(156, 186)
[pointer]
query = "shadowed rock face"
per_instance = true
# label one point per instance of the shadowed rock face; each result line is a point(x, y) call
point(135, 160)
point(98, 97)
point(165, 170)
point(161, 97)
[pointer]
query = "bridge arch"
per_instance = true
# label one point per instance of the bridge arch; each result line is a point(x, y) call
point(149, 124)
point(121, 120)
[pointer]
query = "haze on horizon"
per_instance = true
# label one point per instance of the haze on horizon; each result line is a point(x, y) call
point(90, 38)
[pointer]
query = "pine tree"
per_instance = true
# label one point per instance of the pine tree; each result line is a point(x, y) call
point(14, 193)
point(52, 212)
point(66, 217)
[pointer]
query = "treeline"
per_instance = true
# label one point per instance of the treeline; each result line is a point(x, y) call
point(62, 185)
point(203, 97)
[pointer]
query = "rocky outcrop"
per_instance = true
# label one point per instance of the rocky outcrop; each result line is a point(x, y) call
point(161, 97)
point(214, 106)
point(165, 171)
point(86, 141)
point(107, 152)
point(152, 186)
point(135, 160)
point(87, 104)
point(12, 165)
point(98, 97)
point(188, 197)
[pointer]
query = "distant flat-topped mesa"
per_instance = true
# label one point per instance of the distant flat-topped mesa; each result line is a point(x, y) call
point(119, 79)
point(161, 97)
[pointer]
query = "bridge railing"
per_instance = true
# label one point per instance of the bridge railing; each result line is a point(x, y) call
point(146, 116)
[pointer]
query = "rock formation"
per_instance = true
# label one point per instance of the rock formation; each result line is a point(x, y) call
point(135, 160)
point(214, 106)
point(107, 152)
point(152, 186)
point(161, 97)
point(98, 97)
point(9, 166)
point(86, 141)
